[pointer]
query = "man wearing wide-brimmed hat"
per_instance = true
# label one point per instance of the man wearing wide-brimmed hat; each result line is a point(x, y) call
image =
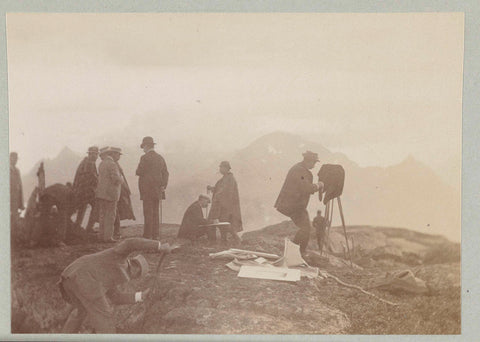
point(107, 193)
point(84, 185)
point(226, 204)
point(153, 176)
point(193, 218)
point(90, 283)
point(295, 195)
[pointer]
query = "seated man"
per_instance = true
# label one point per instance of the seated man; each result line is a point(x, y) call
point(90, 283)
point(193, 218)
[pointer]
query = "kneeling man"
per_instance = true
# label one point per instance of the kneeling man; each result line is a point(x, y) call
point(193, 218)
point(90, 283)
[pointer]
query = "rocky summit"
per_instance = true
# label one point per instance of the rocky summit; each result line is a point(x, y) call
point(196, 294)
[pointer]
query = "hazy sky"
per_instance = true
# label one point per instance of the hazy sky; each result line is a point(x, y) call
point(375, 86)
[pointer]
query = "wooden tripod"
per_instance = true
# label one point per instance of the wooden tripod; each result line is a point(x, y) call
point(328, 219)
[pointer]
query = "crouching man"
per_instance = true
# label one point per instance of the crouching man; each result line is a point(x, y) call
point(90, 283)
point(193, 218)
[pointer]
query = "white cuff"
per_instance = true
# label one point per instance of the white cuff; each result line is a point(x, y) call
point(138, 297)
point(159, 244)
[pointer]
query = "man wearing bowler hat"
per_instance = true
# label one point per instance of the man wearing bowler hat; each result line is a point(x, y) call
point(295, 195)
point(152, 175)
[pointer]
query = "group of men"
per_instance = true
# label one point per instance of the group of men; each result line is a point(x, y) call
point(90, 283)
point(224, 214)
point(108, 194)
point(292, 202)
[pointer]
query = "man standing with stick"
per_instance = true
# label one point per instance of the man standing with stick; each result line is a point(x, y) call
point(152, 182)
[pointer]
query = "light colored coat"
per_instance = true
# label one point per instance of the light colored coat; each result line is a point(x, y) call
point(109, 181)
point(96, 274)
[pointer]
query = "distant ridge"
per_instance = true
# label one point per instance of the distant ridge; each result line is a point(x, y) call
point(409, 194)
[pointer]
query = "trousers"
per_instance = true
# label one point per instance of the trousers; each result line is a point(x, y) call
point(99, 312)
point(107, 213)
point(301, 219)
point(91, 219)
point(151, 214)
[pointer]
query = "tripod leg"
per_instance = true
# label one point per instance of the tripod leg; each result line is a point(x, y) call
point(330, 206)
point(344, 228)
point(325, 242)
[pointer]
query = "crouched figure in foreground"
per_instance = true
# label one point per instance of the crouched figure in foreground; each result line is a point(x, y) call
point(90, 283)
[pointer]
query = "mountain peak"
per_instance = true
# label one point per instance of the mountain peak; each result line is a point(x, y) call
point(66, 151)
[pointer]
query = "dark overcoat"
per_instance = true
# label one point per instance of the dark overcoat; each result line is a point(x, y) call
point(16, 191)
point(124, 204)
point(153, 175)
point(296, 190)
point(192, 218)
point(85, 182)
point(226, 202)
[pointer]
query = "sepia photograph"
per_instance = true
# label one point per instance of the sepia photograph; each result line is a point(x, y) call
point(235, 173)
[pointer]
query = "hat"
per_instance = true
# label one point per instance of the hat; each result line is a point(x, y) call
point(142, 262)
point(147, 141)
point(92, 149)
point(104, 150)
point(116, 149)
point(309, 155)
point(204, 197)
point(225, 164)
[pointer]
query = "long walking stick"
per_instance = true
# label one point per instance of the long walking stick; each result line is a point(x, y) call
point(344, 229)
point(206, 209)
point(161, 212)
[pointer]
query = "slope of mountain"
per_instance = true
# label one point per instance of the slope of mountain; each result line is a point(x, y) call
point(407, 195)
point(197, 294)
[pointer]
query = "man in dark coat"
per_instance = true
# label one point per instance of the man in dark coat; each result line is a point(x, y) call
point(193, 218)
point(295, 195)
point(57, 205)
point(319, 223)
point(16, 191)
point(152, 182)
point(124, 204)
point(226, 203)
point(84, 185)
point(90, 283)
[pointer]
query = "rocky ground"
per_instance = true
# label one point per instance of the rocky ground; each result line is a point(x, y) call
point(199, 295)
